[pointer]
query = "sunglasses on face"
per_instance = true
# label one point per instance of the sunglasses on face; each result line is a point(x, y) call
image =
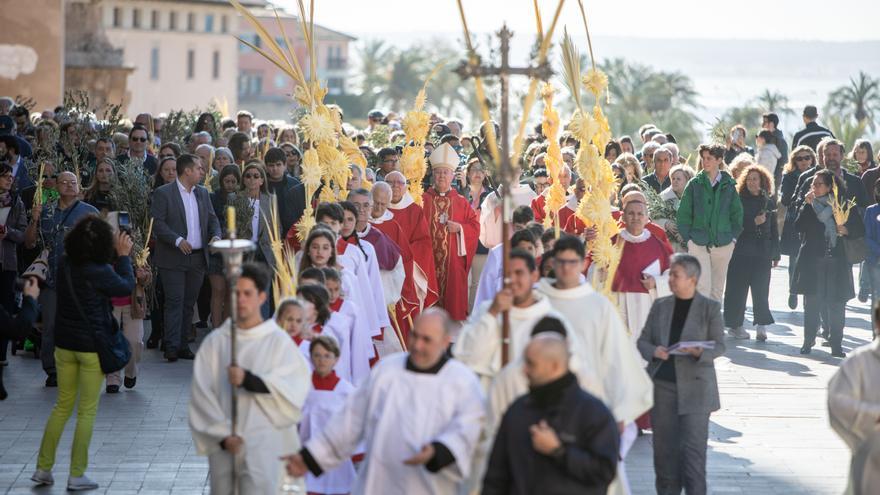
point(139, 140)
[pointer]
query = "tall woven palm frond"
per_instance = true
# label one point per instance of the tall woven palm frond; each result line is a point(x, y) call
point(571, 68)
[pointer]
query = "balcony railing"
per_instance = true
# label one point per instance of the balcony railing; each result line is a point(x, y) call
point(336, 63)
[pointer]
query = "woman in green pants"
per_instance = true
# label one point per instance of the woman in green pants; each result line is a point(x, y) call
point(86, 282)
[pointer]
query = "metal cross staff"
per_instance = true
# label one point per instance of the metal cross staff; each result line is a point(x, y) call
point(233, 251)
point(473, 68)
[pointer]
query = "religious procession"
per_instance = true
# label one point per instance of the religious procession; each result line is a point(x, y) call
point(513, 306)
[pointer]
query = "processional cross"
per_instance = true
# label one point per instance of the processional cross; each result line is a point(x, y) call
point(473, 68)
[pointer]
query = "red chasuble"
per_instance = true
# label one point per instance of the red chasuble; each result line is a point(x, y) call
point(636, 257)
point(453, 253)
point(538, 207)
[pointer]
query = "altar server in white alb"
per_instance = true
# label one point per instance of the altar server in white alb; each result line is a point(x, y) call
point(419, 415)
point(854, 411)
point(327, 396)
point(272, 381)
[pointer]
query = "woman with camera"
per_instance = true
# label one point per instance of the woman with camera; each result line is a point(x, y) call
point(87, 278)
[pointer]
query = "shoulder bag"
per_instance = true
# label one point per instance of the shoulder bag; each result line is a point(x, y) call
point(112, 347)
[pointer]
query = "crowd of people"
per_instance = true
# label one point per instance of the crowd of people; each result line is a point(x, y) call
point(319, 376)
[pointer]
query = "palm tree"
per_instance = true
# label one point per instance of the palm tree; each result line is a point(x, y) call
point(374, 57)
point(773, 101)
point(406, 78)
point(846, 130)
point(861, 98)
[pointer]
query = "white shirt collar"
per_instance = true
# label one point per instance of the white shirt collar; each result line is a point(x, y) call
point(626, 236)
point(183, 188)
point(384, 218)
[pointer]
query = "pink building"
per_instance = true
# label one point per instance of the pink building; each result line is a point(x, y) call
point(263, 88)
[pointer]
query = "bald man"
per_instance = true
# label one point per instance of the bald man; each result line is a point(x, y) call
point(557, 437)
point(419, 415)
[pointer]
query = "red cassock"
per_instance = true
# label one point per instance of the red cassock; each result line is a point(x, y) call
point(565, 212)
point(538, 208)
point(414, 223)
point(453, 253)
point(407, 307)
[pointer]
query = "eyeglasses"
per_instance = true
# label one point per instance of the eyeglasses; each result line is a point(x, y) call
point(139, 140)
point(803, 158)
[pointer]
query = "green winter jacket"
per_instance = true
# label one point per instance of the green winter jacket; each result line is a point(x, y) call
point(710, 216)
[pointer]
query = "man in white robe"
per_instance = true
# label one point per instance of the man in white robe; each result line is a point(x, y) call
point(626, 388)
point(419, 415)
point(272, 381)
point(479, 347)
point(854, 409)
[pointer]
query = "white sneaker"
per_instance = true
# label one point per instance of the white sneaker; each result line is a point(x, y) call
point(41, 477)
point(79, 483)
point(762, 333)
point(739, 334)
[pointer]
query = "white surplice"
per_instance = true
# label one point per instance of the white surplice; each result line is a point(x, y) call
point(854, 399)
point(320, 406)
point(491, 278)
point(353, 261)
point(266, 421)
point(395, 413)
point(353, 365)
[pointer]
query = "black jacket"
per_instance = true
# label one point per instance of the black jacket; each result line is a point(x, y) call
point(291, 197)
point(789, 242)
point(810, 136)
point(94, 285)
point(855, 189)
point(588, 461)
point(758, 240)
point(822, 271)
point(652, 180)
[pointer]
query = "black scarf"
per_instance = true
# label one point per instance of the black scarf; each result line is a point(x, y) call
point(550, 394)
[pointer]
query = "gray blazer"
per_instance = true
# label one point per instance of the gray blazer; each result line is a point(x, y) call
point(169, 223)
point(695, 378)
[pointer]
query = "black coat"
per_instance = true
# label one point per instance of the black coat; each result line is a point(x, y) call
point(821, 270)
point(94, 285)
point(789, 243)
point(583, 424)
point(810, 136)
point(758, 240)
point(291, 197)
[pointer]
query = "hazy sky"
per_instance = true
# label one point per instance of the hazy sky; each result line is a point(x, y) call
point(839, 20)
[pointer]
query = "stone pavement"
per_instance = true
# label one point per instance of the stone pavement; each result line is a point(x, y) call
point(770, 437)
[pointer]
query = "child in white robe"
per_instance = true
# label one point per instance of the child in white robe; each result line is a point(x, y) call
point(328, 395)
point(317, 313)
point(290, 316)
point(344, 319)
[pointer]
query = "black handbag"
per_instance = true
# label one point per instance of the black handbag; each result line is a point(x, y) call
point(856, 250)
point(112, 347)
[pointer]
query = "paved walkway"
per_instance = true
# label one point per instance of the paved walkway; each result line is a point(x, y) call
point(771, 435)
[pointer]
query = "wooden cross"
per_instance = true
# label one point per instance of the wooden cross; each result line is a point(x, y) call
point(473, 68)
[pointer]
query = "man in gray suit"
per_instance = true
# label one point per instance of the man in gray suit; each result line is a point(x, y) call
point(685, 387)
point(184, 224)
